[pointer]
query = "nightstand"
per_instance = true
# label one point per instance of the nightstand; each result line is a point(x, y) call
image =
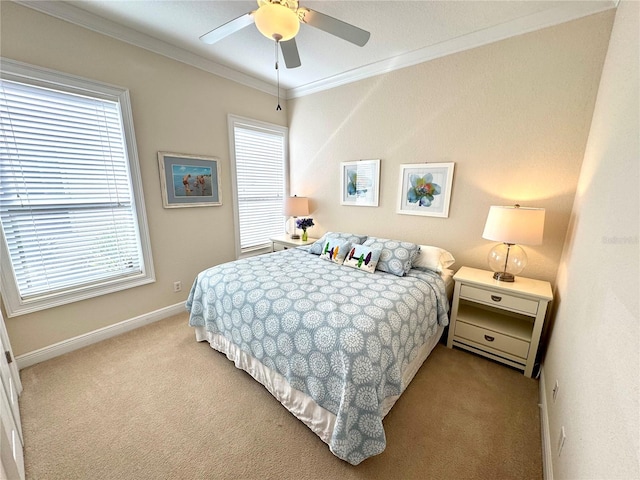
point(501, 321)
point(284, 242)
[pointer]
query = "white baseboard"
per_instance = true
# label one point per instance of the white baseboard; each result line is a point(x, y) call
point(547, 463)
point(66, 346)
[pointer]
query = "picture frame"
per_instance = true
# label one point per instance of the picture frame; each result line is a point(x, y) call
point(189, 180)
point(425, 189)
point(360, 183)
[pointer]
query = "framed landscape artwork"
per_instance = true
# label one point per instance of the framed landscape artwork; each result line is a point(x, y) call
point(189, 180)
point(425, 189)
point(360, 183)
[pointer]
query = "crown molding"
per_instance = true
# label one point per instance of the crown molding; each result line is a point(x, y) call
point(82, 18)
point(564, 13)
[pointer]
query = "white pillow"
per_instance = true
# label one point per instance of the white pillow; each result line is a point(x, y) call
point(335, 250)
point(433, 258)
point(363, 258)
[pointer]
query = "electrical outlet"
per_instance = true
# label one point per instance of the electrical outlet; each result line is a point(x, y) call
point(177, 286)
point(555, 390)
point(561, 440)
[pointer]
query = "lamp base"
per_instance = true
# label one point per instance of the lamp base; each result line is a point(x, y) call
point(504, 277)
point(507, 260)
point(295, 236)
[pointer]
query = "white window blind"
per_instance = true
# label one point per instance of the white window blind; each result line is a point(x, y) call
point(260, 154)
point(67, 204)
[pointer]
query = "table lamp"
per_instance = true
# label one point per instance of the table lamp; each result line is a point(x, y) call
point(512, 225)
point(296, 207)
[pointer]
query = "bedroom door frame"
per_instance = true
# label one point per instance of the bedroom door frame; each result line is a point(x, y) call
point(11, 439)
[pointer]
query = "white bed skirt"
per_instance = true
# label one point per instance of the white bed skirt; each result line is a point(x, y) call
point(318, 419)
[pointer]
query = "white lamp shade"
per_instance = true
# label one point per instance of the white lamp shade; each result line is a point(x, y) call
point(296, 206)
point(276, 22)
point(515, 225)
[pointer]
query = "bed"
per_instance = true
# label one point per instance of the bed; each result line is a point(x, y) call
point(335, 345)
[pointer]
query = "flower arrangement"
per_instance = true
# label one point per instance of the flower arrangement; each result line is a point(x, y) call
point(304, 223)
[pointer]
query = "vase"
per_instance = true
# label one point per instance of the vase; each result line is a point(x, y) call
point(304, 235)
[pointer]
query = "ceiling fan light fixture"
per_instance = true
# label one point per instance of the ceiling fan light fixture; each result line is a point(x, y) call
point(277, 22)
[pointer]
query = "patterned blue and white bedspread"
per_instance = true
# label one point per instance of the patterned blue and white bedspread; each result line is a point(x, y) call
point(339, 335)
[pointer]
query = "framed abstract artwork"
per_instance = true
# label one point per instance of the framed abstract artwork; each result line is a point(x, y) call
point(425, 189)
point(189, 180)
point(360, 183)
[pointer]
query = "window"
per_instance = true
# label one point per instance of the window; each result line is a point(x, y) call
point(258, 156)
point(71, 203)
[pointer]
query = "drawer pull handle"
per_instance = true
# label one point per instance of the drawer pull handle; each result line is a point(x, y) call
point(496, 298)
point(489, 339)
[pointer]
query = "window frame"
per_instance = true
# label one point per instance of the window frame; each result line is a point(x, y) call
point(43, 77)
point(232, 121)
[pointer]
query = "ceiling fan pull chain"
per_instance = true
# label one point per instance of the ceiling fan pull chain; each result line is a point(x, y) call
point(278, 108)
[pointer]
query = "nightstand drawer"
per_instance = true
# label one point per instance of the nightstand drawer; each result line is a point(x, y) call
point(492, 339)
point(500, 300)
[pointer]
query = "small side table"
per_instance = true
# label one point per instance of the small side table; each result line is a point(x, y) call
point(284, 242)
point(499, 320)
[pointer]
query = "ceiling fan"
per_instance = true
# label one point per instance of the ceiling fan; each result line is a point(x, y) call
point(280, 20)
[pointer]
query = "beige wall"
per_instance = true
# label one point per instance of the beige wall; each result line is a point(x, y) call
point(176, 108)
point(594, 349)
point(514, 117)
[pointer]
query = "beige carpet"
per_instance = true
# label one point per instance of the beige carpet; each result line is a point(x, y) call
point(155, 404)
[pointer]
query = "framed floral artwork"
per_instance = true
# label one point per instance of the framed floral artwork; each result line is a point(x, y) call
point(425, 189)
point(189, 180)
point(360, 183)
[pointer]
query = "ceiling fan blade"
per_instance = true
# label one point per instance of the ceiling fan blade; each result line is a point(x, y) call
point(290, 53)
point(228, 28)
point(336, 27)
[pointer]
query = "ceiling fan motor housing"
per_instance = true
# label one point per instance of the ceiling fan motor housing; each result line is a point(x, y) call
point(277, 20)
